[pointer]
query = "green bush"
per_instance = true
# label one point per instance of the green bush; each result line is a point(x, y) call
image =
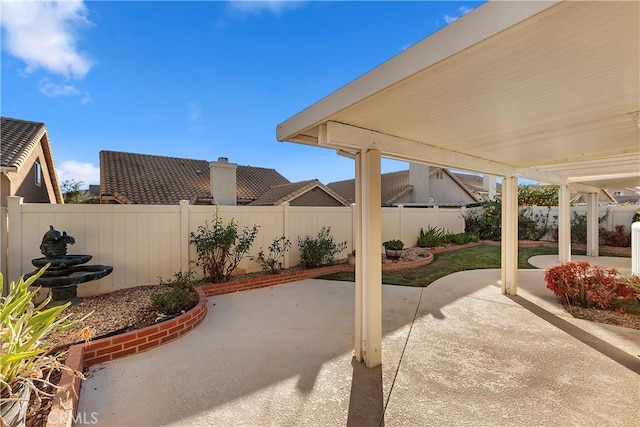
point(533, 226)
point(460, 238)
point(431, 238)
point(175, 301)
point(272, 263)
point(320, 250)
point(181, 279)
point(486, 223)
point(221, 247)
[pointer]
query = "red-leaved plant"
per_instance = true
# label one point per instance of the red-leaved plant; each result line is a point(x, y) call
point(579, 283)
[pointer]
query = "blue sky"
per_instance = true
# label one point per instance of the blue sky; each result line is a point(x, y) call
point(198, 80)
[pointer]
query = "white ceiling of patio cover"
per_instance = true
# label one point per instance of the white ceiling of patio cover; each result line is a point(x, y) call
point(556, 91)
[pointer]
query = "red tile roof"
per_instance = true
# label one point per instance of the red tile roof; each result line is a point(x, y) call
point(160, 180)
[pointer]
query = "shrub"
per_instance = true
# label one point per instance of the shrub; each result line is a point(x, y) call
point(26, 334)
point(221, 247)
point(460, 238)
point(533, 226)
point(320, 250)
point(431, 238)
point(272, 263)
point(181, 279)
point(579, 283)
point(175, 301)
point(617, 238)
point(636, 216)
point(486, 223)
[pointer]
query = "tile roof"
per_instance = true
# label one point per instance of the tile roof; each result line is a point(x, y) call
point(252, 182)
point(394, 185)
point(158, 180)
point(474, 182)
point(17, 139)
point(279, 194)
point(152, 180)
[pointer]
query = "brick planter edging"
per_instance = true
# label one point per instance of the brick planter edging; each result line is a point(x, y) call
point(270, 279)
point(63, 411)
point(111, 348)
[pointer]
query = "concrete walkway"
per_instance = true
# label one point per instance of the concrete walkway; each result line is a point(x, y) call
point(456, 353)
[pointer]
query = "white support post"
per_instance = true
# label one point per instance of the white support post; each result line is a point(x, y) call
point(564, 224)
point(184, 235)
point(368, 259)
point(592, 225)
point(14, 257)
point(359, 247)
point(509, 246)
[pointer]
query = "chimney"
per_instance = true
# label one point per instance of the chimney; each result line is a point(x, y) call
point(489, 185)
point(419, 178)
point(223, 181)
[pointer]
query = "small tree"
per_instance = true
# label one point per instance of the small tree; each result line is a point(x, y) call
point(72, 194)
point(221, 247)
point(272, 263)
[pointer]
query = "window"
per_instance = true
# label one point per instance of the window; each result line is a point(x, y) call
point(439, 175)
point(38, 170)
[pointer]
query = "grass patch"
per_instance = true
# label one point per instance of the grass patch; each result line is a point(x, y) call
point(474, 258)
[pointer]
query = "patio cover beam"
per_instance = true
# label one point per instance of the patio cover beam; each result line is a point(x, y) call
point(347, 137)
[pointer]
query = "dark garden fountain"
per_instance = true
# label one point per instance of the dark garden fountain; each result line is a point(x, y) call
point(65, 272)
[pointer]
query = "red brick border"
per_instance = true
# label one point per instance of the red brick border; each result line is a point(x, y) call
point(64, 410)
point(106, 349)
point(270, 280)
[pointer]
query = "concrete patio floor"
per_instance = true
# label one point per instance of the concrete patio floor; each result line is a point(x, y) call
point(455, 353)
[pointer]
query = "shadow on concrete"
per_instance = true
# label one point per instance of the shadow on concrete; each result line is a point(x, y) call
point(622, 357)
point(366, 403)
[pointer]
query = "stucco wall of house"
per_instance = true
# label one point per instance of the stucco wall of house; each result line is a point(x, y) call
point(5, 190)
point(23, 182)
point(445, 190)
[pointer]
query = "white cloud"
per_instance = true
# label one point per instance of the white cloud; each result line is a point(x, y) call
point(462, 10)
point(43, 35)
point(87, 173)
point(245, 7)
point(195, 112)
point(54, 90)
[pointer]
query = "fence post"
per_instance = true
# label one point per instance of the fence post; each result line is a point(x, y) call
point(635, 249)
point(463, 212)
point(285, 231)
point(14, 254)
point(184, 235)
point(401, 221)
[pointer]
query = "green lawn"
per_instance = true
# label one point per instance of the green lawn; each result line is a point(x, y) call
point(473, 258)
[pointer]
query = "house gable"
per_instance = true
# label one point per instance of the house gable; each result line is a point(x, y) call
point(302, 193)
point(445, 189)
point(27, 164)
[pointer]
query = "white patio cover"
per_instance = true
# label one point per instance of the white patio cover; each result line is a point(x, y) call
point(543, 90)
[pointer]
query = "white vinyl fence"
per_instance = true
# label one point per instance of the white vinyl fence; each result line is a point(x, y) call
point(147, 242)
